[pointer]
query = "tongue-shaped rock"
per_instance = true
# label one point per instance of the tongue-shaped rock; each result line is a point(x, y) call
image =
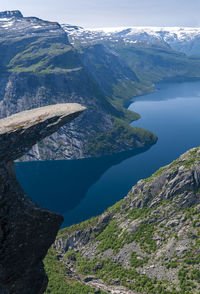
point(26, 230)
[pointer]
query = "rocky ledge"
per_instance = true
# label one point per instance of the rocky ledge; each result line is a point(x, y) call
point(26, 230)
point(149, 242)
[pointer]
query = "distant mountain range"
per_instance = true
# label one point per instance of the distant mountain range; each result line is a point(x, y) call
point(183, 39)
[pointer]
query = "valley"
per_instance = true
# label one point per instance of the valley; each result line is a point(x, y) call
point(45, 63)
point(123, 176)
point(39, 66)
point(171, 112)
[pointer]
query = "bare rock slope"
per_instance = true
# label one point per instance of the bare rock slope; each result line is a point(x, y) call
point(26, 230)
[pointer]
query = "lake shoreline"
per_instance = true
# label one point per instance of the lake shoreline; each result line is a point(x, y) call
point(86, 187)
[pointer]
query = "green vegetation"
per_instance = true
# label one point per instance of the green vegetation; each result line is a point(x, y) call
point(153, 63)
point(186, 285)
point(64, 233)
point(191, 259)
point(148, 227)
point(41, 57)
point(137, 260)
point(114, 238)
point(109, 272)
point(144, 236)
point(136, 213)
point(124, 90)
point(58, 281)
point(122, 136)
point(195, 275)
point(110, 238)
point(172, 264)
point(116, 208)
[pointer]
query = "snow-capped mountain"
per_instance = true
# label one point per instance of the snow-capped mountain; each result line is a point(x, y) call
point(158, 33)
point(184, 39)
point(13, 23)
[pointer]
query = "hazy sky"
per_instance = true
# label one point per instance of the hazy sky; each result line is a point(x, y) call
point(98, 13)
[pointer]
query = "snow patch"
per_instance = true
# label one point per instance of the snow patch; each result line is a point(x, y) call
point(4, 19)
point(164, 33)
point(37, 27)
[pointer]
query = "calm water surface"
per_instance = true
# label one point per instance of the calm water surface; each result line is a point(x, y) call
point(79, 189)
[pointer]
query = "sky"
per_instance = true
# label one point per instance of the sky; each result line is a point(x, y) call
point(111, 13)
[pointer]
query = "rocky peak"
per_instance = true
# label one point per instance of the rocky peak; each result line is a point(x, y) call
point(12, 23)
point(12, 13)
point(26, 230)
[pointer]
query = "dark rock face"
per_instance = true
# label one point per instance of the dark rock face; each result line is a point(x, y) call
point(26, 230)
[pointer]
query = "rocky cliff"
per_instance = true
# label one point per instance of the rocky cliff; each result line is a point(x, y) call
point(40, 67)
point(26, 230)
point(146, 243)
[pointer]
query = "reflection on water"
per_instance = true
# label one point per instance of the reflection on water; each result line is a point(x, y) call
point(83, 188)
point(61, 185)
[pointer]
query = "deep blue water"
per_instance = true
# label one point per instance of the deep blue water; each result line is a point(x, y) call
point(79, 189)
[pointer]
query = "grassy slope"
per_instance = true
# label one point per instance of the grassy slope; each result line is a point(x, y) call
point(58, 282)
point(153, 64)
point(122, 133)
point(180, 271)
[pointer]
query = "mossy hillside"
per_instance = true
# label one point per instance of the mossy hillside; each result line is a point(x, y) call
point(121, 137)
point(58, 281)
point(114, 238)
point(124, 90)
point(44, 57)
point(149, 249)
point(115, 78)
point(135, 69)
point(153, 63)
point(149, 63)
point(109, 272)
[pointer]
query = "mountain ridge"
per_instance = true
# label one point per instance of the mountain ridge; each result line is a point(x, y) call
point(183, 39)
point(41, 67)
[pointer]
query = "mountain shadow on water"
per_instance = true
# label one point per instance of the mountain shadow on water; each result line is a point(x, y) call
point(61, 185)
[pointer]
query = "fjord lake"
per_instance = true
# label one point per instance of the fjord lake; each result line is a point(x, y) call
point(80, 189)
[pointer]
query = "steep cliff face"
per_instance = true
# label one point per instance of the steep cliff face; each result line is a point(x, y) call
point(40, 67)
point(146, 243)
point(26, 230)
point(110, 72)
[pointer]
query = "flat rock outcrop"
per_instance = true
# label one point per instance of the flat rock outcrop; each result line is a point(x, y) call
point(26, 230)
